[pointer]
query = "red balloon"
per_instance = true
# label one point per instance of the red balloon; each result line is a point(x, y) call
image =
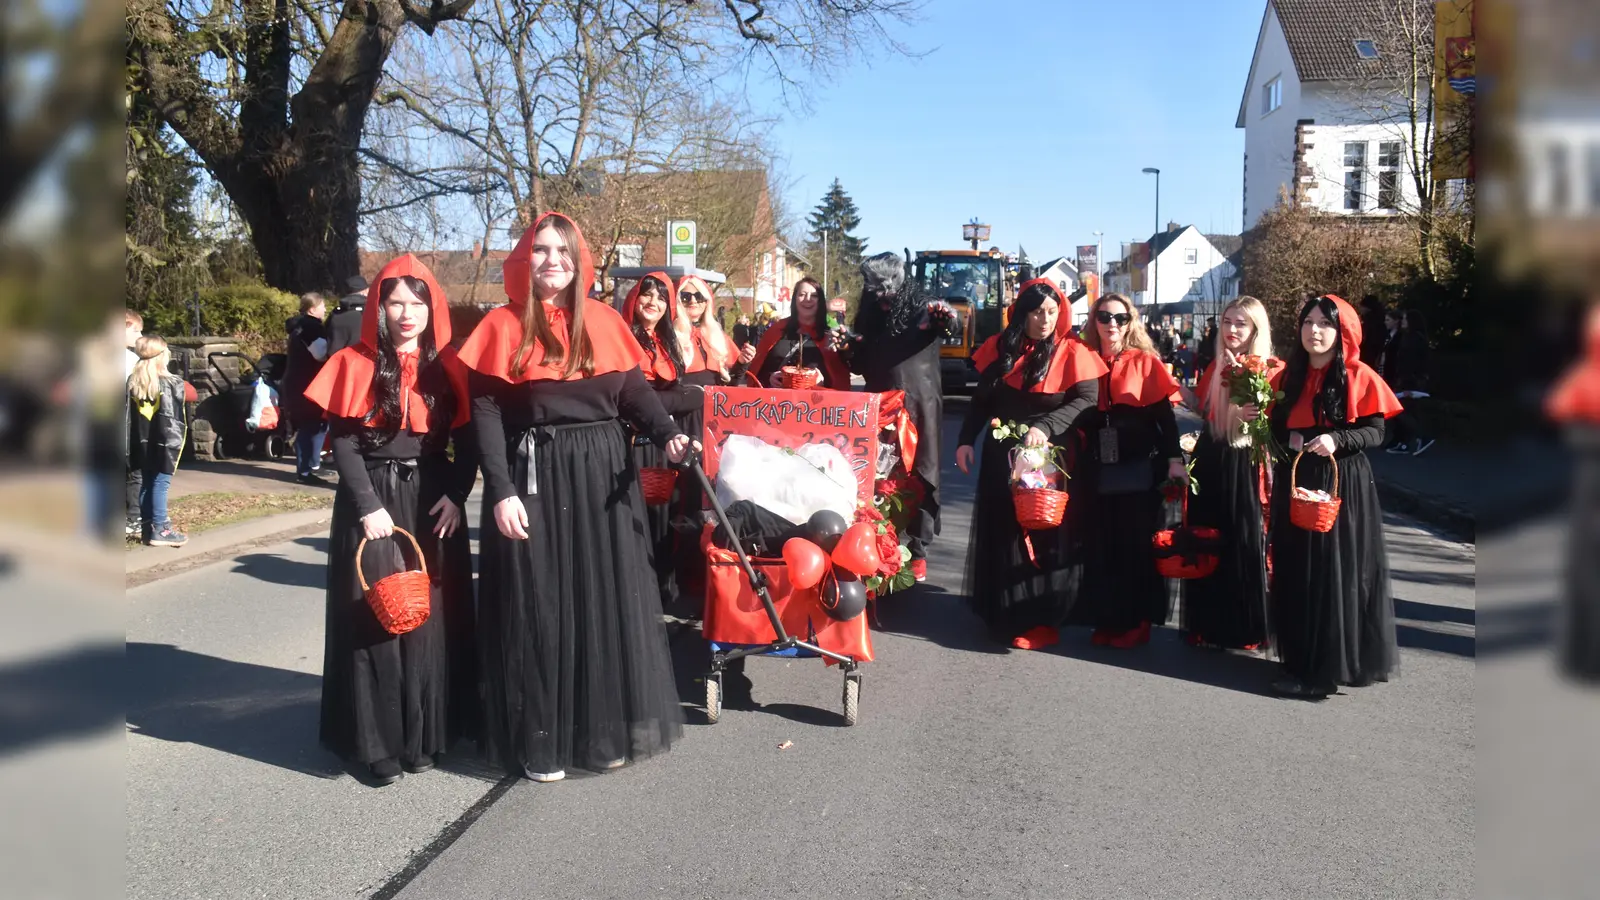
point(857, 550)
point(806, 563)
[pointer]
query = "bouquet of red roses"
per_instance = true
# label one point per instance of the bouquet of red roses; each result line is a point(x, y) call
point(1248, 384)
point(890, 502)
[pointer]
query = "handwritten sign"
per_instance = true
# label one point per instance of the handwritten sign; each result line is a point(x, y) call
point(791, 419)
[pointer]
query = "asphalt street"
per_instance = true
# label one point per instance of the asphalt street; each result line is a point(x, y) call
point(976, 771)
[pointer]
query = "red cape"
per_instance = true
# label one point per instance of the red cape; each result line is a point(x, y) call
point(343, 387)
point(838, 372)
point(659, 366)
point(489, 350)
point(1368, 394)
point(1071, 363)
point(1137, 378)
point(1576, 397)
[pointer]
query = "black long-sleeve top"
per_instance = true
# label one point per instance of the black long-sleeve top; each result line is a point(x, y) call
point(460, 473)
point(1053, 414)
point(905, 360)
point(502, 411)
point(1142, 431)
point(1349, 438)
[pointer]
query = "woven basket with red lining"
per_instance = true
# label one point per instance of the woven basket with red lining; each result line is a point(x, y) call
point(797, 379)
point(400, 601)
point(1314, 515)
point(657, 484)
point(1185, 552)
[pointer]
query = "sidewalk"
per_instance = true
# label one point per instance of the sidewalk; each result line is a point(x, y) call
point(1461, 489)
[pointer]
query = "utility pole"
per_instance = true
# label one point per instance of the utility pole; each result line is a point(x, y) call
point(824, 262)
point(1155, 286)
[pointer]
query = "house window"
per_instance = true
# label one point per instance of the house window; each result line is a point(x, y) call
point(1194, 287)
point(1389, 175)
point(1366, 49)
point(1560, 198)
point(1191, 256)
point(1355, 170)
point(1271, 95)
point(630, 255)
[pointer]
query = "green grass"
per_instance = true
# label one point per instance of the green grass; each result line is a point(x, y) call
point(199, 512)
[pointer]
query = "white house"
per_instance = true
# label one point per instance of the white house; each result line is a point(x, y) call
point(1188, 267)
point(1062, 272)
point(1320, 121)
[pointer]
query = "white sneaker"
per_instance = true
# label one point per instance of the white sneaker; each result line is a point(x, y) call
point(547, 777)
point(1418, 450)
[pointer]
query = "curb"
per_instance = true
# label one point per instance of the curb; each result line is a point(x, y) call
point(149, 564)
point(1455, 522)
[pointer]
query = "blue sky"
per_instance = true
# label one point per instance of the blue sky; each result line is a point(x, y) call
point(1037, 117)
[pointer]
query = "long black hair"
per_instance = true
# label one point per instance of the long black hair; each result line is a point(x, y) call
point(384, 420)
point(1014, 341)
point(665, 329)
point(1328, 406)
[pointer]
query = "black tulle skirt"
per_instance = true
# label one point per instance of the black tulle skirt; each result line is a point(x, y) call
point(1010, 592)
point(1331, 605)
point(1228, 608)
point(576, 668)
point(1121, 587)
point(387, 696)
point(1580, 614)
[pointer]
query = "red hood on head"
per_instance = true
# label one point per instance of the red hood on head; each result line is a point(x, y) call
point(1063, 316)
point(518, 267)
point(631, 305)
point(438, 307)
point(1349, 329)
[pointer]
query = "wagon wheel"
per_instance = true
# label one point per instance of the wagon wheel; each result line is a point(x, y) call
point(713, 697)
point(219, 451)
point(852, 699)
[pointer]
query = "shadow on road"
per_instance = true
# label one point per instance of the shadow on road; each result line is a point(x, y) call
point(275, 569)
point(256, 712)
point(1166, 655)
point(63, 696)
point(930, 613)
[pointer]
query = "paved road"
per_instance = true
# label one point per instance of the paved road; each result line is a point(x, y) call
point(1083, 772)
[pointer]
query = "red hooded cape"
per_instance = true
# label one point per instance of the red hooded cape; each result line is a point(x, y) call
point(491, 346)
point(1071, 363)
point(1576, 397)
point(838, 372)
point(659, 365)
point(344, 385)
point(1137, 378)
point(1368, 393)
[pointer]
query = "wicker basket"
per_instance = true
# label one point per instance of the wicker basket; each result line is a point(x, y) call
point(401, 601)
point(657, 484)
point(1313, 515)
point(1039, 508)
point(796, 379)
point(1180, 552)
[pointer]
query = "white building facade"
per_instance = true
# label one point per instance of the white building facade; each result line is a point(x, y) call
point(1318, 123)
point(1188, 267)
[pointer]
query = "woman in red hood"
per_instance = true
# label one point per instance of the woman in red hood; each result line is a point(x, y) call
point(1035, 374)
point(1575, 404)
point(575, 661)
point(1332, 613)
point(395, 400)
point(1129, 446)
point(719, 360)
point(671, 354)
point(801, 341)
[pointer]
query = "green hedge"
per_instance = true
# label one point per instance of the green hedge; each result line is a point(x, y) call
point(252, 313)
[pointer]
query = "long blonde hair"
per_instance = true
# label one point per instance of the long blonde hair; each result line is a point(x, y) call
point(1219, 412)
point(713, 339)
point(145, 382)
point(1133, 334)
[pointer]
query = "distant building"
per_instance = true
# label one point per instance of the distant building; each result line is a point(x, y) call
point(1189, 268)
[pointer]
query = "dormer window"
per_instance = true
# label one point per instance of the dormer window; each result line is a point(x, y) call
point(1366, 49)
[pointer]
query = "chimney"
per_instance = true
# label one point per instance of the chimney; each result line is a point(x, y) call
point(1172, 226)
point(477, 249)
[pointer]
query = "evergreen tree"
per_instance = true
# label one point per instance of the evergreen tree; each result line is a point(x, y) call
point(837, 216)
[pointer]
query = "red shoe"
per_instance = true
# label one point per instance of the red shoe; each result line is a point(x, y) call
point(1101, 637)
point(1194, 639)
point(1036, 638)
point(1133, 637)
point(919, 569)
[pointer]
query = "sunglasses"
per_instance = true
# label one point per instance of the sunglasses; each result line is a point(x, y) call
point(692, 297)
point(1106, 318)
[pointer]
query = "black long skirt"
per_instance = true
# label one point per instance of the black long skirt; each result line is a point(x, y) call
point(1121, 587)
point(1010, 592)
point(1580, 614)
point(577, 673)
point(398, 697)
point(1331, 605)
point(1229, 607)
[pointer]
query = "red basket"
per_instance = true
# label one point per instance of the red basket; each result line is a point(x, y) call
point(1039, 508)
point(657, 484)
point(1180, 552)
point(796, 379)
point(401, 601)
point(1314, 515)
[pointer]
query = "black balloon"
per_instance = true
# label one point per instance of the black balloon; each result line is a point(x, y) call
point(825, 528)
point(844, 596)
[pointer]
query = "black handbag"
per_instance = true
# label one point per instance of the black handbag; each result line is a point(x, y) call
point(1119, 476)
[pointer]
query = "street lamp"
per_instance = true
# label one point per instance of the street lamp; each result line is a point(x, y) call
point(974, 232)
point(1099, 252)
point(1155, 286)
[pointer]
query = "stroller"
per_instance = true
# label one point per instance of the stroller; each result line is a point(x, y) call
point(751, 608)
point(240, 417)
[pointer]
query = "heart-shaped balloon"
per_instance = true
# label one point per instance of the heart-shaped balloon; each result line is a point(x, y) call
point(857, 550)
point(806, 563)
